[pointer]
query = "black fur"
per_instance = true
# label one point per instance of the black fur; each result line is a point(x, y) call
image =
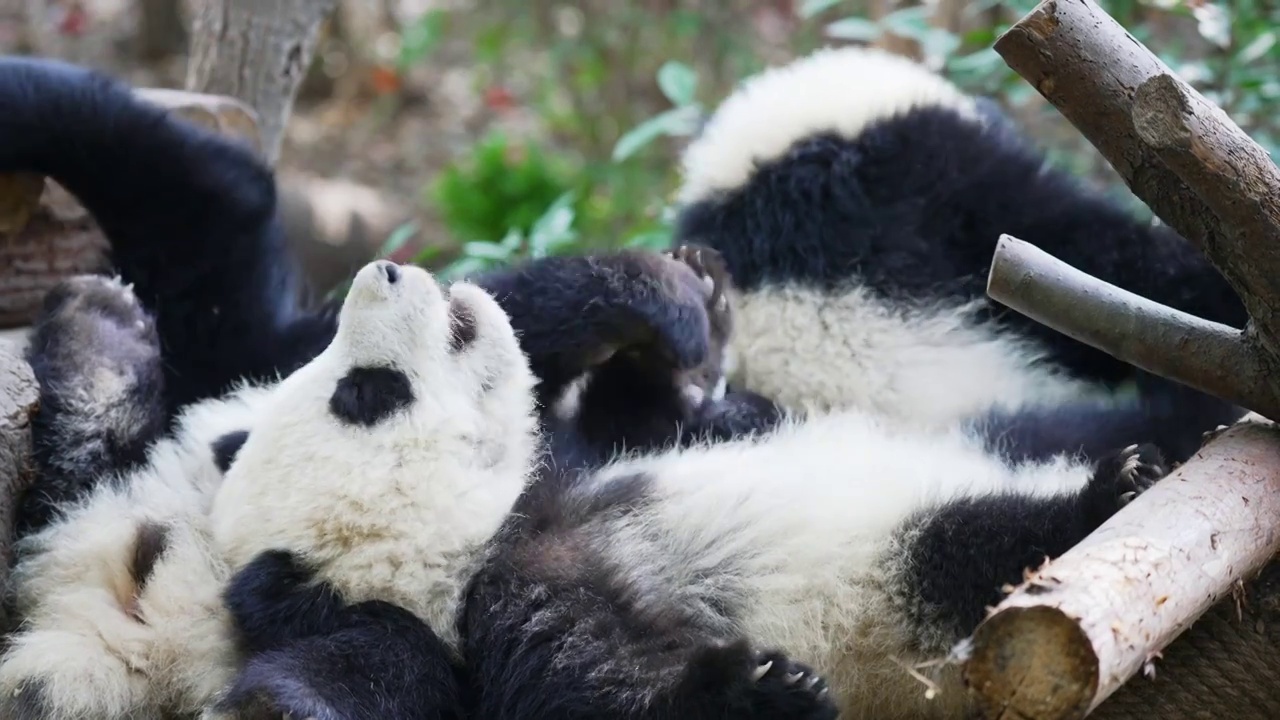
point(227, 447)
point(367, 396)
point(543, 602)
point(312, 655)
point(96, 357)
point(912, 209)
point(958, 556)
point(1172, 419)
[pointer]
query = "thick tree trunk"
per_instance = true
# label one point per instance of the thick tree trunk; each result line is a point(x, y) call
point(257, 51)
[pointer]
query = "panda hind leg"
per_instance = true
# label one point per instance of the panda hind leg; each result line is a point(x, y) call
point(96, 357)
point(952, 560)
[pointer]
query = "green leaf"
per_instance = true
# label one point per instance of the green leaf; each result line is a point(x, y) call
point(554, 229)
point(676, 122)
point(397, 239)
point(911, 21)
point(652, 240)
point(484, 250)
point(854, 28)
point(464, 267)
point(419, 39)
point(678, 82)
point(1256, 49)
point(809, 8)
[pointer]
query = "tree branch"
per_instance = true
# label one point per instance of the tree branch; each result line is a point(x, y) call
point(1210, 357)
point(257, 51)
point(1078, 628)
point(1085, 64)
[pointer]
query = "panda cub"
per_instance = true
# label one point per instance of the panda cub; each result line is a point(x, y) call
point(857, 198)
point(381, 470)
point(785, 575)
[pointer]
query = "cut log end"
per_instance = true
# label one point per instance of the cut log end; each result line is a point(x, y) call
point(1032, 663)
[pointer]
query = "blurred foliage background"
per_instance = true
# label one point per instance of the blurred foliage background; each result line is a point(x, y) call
point(515, 128)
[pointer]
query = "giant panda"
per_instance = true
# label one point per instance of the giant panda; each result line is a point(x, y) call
point(857, 198)
point(813, 570)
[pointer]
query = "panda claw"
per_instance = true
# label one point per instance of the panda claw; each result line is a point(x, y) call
point(761, 671)
point(792, 679)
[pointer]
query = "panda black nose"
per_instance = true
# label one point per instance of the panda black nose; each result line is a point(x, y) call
point(392, 271)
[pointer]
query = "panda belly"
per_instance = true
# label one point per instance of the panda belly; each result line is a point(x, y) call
point(794, 539)
point(931, 366)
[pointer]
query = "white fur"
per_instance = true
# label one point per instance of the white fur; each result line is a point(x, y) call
point(840, 90)
point(814, 350)
point(798, 529)
point(98, 646)
point(399, 511)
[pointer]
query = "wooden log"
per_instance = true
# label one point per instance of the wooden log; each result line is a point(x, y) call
point(46, 235)
point(1085, 64)
point(18, 402)
point(1208, 356)
point(1078, 628)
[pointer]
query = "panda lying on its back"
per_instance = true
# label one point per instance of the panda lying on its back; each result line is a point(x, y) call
point(386, 464)
point(857, 199)
point(784, 576)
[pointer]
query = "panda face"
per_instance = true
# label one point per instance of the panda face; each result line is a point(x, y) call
point(415, 429)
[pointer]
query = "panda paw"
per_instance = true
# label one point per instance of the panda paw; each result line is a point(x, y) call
point(763, 684)
point(91, 321)
point(709, 267)
point(1119, 477)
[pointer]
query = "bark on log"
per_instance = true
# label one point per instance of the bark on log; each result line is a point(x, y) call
point(1085, 64)
point(1208, 356)
point(45, 235)
point(18, 396)
point(257, 51)
point(1081, 626)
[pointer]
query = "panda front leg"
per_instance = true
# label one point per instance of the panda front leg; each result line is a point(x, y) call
point(310, 654)
point(96, 356)
point(549, 647)
point(643, 399)
point(952, 561)
point(574, 313)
